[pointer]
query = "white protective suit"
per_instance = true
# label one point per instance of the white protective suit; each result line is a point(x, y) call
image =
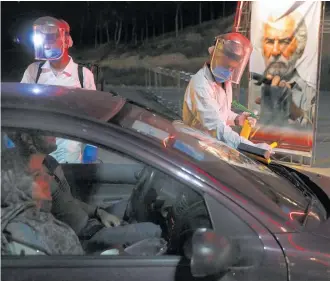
point(207, 107)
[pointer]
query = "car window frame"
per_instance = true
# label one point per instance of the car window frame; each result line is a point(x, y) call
point(27, 125)
point(83, 129)
point(107, 135)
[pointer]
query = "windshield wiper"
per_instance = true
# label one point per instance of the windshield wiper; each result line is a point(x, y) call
point(296, 180)
point(309, 207)
point(293, 177)
point(311, 202)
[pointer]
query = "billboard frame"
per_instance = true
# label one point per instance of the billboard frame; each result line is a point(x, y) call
point(317, 100)
point(242, 24)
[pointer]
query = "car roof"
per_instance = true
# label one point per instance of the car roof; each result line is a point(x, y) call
point(70, 101)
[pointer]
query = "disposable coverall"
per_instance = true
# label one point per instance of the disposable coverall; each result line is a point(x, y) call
point(207, 107)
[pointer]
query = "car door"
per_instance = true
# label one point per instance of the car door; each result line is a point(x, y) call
point(34, 265)
point(163, 268)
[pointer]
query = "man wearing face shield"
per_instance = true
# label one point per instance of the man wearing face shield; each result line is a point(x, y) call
point(52, 41)
point(208, 97)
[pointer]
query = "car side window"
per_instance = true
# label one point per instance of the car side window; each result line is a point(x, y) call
point(113, 206)
point(74, 152)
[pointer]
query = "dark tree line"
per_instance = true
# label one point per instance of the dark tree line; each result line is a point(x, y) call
point(138, 22)
point(118, 23)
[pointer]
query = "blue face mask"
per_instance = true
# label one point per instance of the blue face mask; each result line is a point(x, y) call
point(224, 73)
point(53, 53)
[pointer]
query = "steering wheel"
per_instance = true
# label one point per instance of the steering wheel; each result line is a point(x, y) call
point(142, 197)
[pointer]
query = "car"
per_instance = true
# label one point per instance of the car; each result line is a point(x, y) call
point(224, 216)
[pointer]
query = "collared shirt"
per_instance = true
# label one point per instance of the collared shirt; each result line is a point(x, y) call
point(207, 107)
point(206, 102)
point(68, 151)
point(67, 77)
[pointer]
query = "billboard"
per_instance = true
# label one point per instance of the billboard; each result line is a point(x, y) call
point(284, 69)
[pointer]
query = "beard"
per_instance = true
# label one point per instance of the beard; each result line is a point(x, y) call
point(281, 66)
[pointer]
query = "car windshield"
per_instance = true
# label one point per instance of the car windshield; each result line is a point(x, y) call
point(219, 160)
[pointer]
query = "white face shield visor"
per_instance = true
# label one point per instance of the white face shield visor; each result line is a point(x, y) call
point(230, 56)
point(48, 40)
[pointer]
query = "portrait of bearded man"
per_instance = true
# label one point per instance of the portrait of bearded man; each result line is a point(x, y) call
point(283, 43)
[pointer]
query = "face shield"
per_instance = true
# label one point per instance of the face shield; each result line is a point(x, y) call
point(230, 56)
point(48, 40)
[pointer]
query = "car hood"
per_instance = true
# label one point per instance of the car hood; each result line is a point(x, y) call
point(323, 230)
point(249, 183)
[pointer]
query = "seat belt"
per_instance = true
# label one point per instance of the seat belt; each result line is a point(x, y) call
point(80, 73)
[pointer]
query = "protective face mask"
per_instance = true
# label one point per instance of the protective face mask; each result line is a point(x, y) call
point(224, 73)
point(53, 53)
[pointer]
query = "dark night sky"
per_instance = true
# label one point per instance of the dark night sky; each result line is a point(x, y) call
point(17, 17)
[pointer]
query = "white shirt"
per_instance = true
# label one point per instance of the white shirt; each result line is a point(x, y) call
point(67, 150)
point(211, 105)
point(67, 77)
point(213, 102)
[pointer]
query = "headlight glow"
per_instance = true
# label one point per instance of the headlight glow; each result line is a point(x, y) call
point(37, 39)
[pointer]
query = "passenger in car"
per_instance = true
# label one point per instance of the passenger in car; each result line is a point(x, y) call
point(27, 223)
point(96, 228)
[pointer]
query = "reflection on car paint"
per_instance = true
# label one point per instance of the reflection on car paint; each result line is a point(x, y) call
point(187, 149)
point(221, 150)
point(146, 129)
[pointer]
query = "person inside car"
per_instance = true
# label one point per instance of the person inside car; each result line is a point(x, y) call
point(52, 41)
point(27, 223)
point(208, 97)
point(98, 229)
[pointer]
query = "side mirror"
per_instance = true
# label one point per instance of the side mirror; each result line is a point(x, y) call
point(211, 253)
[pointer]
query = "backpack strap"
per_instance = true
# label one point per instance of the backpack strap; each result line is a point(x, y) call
point(81, 75)
point(39, 71)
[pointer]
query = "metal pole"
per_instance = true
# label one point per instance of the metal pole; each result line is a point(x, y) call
point(238, 15)
point(317, 97)
point(237, 22)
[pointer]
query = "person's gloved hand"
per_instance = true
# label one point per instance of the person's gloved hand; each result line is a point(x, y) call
point(245, 115)
point(107, 219)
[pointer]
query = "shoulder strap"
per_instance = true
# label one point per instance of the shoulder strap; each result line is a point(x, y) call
point(39, 71)
point(81, 75)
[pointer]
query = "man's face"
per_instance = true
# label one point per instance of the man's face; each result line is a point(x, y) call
point(53, 45)
point(280, 46)
point(226, 61)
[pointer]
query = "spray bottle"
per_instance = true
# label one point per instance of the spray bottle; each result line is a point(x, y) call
point(246, 129)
